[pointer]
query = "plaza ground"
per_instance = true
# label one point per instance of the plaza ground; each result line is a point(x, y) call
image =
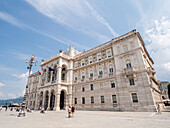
point(85, 119)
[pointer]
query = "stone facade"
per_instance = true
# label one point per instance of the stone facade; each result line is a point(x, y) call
point(116, 76)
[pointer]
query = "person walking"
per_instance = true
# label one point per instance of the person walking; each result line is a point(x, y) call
point(72, 110)
point(69, 112)
point(158, 109)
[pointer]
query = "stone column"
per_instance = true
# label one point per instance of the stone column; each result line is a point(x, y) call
point(59, 70)
point(69, 97)
point(57, 101)
point(49, 97)
point(59, 74)
point(37, 101)
point(43, 100)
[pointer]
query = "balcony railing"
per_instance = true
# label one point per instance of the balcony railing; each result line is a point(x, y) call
point(91, 78)
point(128, 71)
point(82, 79)
point(100, 76)
point(110, 74)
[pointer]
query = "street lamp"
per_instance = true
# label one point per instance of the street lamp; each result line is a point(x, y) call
point(30, 62)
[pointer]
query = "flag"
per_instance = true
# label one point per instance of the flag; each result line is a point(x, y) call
point(51, 69)
point(40, 73)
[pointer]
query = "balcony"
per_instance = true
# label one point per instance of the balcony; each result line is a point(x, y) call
point(75, 81)
point(64, 81)
point(91, 78)
point(129, 71)
point(82, 80)
point(100, 76)
point(111, 74)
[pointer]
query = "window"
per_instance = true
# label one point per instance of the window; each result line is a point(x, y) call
point(83, 77)
point(101, 86)
point(91, 75)
point(128, 64)
point(112, 84)
point(114, 100)
point(92, 100)
point(83, 89)
point(109, 54)
point(125, 48)
point(76, 65)
point(91, 87)
point(134, 97)
point(102, 99)
point(76, 77)
point(90, 60)
point(75, 100)
point(131, 81)
point(110, 68)
point(83, 100)
point(100, 71)
point(82, 62)
point(99, 57)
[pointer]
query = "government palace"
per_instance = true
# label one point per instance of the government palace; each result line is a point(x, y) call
point(115, 76)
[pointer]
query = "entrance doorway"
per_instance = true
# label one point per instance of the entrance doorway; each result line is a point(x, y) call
point(52, 101)
point(62, 100)
point(46, 100)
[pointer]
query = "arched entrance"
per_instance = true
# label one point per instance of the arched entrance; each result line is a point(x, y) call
point(41, 100)
point(62, 100)
point(52, 100)
point(46, 100)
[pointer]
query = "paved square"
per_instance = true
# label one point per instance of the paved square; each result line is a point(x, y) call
point(85, 119)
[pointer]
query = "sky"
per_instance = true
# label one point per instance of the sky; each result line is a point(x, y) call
point(42, 27)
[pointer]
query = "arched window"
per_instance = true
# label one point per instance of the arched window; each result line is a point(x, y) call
point(49, 75)
point(82, 62)
point(128, 64)
point(90, 60)
point(83, 75)
point(109, 54)
point(63, 73)
point(54, 73)
point(110, 68)
point(75, 65)
point(99, 57)
point(91, 73)
point(100, 71)
point(76, 77)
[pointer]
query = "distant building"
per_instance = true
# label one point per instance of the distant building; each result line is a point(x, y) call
point(117, 76)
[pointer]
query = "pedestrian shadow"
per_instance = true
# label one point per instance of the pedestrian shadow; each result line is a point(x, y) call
point(13, 114)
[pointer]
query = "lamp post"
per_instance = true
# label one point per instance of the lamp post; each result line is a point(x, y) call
point(31, 61)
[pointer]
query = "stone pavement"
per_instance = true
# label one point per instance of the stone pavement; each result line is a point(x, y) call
point(85, 119)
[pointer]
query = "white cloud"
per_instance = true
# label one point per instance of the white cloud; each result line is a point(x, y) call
point(101, 19)
point(22, 76)
point(8, 18)
point(11, 95)
point(1, 84)
point(167, 66)
point(78, 15)
point(159, 46)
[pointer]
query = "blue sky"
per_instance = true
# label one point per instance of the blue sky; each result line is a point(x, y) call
point(42, 27)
